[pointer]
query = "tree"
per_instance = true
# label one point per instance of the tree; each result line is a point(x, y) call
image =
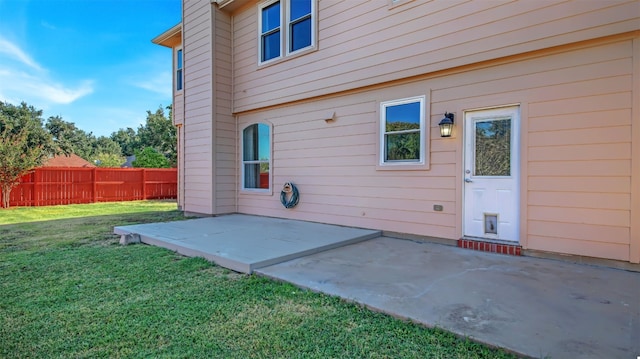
point(24, 145)
point(127, 139)
point(14, 162)
point(109, 160)
point(150, 158)
point(105, 145)
point(159, 134)
point(69, 138)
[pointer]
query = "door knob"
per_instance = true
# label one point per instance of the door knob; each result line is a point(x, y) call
point(468, 180)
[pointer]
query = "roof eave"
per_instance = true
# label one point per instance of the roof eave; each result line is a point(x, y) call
point(170, 38)
point(229, 5)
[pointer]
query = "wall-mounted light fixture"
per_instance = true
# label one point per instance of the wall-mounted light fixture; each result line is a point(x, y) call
point(446, 125)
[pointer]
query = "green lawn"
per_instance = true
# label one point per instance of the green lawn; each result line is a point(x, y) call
point(69, 290)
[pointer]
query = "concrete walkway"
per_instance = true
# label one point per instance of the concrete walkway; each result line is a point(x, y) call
point(536, 307)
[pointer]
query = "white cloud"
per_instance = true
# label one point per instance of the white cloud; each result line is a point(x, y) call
point(57, 93)
point(47, 25)
point(160, 83)
point(21, 86)
point(16, 53)
point(23, 79)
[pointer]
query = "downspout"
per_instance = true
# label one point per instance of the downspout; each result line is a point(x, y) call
point(235, 117)
point(182, 130)
point(237, 161)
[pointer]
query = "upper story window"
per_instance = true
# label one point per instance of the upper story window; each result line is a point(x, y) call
point(285, 27)
point(403, 131)
point(256, 156)
point(270, 34)
point(179, 70)
point(299, 20)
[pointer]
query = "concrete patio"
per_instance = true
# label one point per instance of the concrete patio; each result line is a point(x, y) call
point(244, 243)
point(535, 307)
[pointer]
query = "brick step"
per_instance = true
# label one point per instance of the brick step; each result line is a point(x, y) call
point(493, 247)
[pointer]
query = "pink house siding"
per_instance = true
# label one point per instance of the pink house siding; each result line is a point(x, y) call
point(225, 137)
point(572, 68)
point(178, 109)
point(198, 128)
point(363, 43)
point(576, 107)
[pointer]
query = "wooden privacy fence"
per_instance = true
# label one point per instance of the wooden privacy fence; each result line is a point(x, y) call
point(49, 186)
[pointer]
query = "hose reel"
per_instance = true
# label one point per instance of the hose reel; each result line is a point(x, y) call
point(289, 195)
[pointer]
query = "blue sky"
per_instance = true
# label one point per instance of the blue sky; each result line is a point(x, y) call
point(90, 62)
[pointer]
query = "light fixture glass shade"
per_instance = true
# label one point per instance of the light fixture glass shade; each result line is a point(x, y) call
point(446, 125)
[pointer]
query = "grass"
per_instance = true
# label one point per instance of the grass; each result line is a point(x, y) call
point(69, 290)
point(32, 214)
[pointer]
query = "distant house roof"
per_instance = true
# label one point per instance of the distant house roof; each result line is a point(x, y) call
point(129, 162)
point(67, 161)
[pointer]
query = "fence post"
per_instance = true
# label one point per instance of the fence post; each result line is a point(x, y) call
point(144, 184)
point(94, 185)
point(36, 201)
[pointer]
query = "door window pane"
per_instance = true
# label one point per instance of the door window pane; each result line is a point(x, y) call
point(493, 147)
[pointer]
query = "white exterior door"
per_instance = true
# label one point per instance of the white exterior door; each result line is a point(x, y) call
point(491, 174)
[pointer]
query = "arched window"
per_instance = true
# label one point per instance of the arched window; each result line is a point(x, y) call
point(256, 156)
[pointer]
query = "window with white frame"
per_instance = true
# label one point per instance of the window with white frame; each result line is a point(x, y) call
point(403, 131)
point(179, 70)
point(256, 156)
point(285, 27)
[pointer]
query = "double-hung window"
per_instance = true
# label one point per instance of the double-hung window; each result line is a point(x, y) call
point(299, 19)
point(285, 27)
point(179, 70)
point(256, 156)
point(270, 31)
point(403, 132)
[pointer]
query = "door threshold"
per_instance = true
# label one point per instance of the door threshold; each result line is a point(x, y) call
point(491, 246)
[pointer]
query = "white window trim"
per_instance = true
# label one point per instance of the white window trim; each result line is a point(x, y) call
point(285, 21)
point(423, 162)
point(288, 29)
point(260, 8)
point(265, 191)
